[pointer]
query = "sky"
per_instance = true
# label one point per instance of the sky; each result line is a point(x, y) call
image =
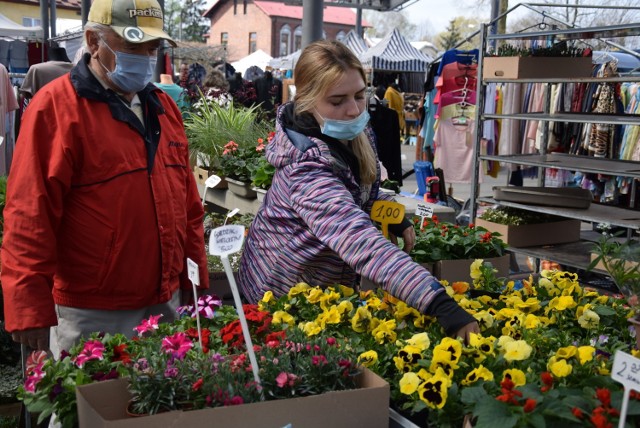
point(440, 12)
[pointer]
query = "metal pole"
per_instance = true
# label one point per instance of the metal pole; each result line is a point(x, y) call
point(44, 22)
point(493, 29)
point(160, 62)
point(480, 96)
point(312, 17)
point(359, 22)
point(85, 5)
point(52, 17)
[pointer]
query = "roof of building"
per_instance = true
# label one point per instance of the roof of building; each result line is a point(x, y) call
point(66, 4)
point(331, 15)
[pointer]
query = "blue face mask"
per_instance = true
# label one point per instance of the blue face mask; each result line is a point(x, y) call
point(345, 129)
point(133, 72)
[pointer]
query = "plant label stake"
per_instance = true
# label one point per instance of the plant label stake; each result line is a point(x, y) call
point(212, 182)
point(386, 213)
point(423, 211)
point(230, 214)
point(225, 240)
point(194, 277)
point(626, 370)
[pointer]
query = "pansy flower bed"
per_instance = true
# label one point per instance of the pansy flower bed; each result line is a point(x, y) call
point(543, 357)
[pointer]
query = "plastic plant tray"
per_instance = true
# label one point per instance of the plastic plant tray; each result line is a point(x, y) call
point(565, 197)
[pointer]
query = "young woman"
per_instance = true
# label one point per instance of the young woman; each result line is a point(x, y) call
point(314, 225)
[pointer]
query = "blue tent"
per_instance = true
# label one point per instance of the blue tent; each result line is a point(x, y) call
point(355, 43)
point(395, 53)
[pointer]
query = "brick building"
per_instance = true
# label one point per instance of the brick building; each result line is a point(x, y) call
point(245, 26)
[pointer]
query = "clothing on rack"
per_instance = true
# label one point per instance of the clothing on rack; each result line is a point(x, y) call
point(384, 122)
point(8, 104)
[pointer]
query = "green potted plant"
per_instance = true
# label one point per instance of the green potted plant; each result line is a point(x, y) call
point(211, 127)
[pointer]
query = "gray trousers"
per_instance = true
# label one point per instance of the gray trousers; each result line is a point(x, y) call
point(75, 323)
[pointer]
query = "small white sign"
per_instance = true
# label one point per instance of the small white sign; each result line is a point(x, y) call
point(193, 271)
point(225, 240)
point(626, 370)
point(212, 181)
point(423, 210)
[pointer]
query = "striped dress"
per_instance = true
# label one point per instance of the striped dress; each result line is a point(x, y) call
point(314, 227)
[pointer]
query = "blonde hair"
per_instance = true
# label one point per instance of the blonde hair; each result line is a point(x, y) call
point(321, 64)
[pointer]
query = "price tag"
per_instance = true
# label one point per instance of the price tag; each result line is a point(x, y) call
point(626, 370)
point(225, 240)
point(386, 213)
point(424, 211)
point(193, 271)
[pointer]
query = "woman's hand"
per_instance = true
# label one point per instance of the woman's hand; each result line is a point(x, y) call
point(465, 332)
point(408, 239)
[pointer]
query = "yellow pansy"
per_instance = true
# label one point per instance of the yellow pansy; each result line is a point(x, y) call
point(421, 340)
point(559, 367)
point(479, 373)
point(402, 310)
point(485, 319)
point(346, 291)
point(345, 307)
point(566, 352)
point(409, 383)
point(433, 392)
point(589, 319)
point(474, 269)
point(532, 321)
point(517, 350)
point(331, 316)
point(529, 306)
point(503, 340)
point(268, 297)
point(299, 288)
point(562, 303)
point(585, 354)
point(453, 346)
point(517, 376)
point(280, 317)
point(410, 354)
point(368, 358)
point(361, 320)
point(385, 331)
point(374, 303)
point(310, 328)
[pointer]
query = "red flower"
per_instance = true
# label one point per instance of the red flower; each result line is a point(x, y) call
point(547, 379)
point(197, 385)
point(529, 405)
point(599, 420)
point(120, 354)
point(577, 413)
point(604, 395)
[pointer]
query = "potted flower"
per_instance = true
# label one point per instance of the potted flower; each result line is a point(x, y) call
point(521, 228)
point(451, 248)
point(212, 126)
point(164, 369)
point(237, 164)
point(620, 258)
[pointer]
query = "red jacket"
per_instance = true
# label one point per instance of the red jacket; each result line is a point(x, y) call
point(100, 212)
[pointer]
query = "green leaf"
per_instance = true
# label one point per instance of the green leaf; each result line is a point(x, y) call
point(492, 413)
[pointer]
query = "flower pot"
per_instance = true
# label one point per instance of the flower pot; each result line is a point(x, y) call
point(241, 189)
point(260, 193)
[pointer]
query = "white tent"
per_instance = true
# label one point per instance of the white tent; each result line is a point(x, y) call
point(355, 43)
point(258, 58)
point(8, 28)
point(286, 62)
point(395, 53)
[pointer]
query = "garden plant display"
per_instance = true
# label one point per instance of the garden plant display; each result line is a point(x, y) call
point(543, 357)
point(436, 240)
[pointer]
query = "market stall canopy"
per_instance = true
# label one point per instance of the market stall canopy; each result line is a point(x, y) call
point(258, 58)
point(395, 53)
point(286, 62)
point(356, 43)
point(625, 62)
point(8, 28)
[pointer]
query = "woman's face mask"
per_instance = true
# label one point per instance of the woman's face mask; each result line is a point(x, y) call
point(345, 129)
point(132, 72)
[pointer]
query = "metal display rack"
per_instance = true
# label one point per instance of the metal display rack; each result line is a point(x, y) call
point(616, 216)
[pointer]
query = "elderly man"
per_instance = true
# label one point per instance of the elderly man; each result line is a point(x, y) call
point(102, 210)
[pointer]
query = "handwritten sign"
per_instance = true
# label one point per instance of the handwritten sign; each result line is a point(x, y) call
point(211, 182)
point(386, 213)
point(626, 370)
point(424, 211)
point(225, 240)
point(193, 271)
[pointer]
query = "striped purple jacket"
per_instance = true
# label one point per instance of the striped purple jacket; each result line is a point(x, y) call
point(314, 227)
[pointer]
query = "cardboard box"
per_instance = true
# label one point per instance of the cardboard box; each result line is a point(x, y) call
point(530, 235)
point(202, 174)
point(536, 67)
point(103, 404)
point(459, 270)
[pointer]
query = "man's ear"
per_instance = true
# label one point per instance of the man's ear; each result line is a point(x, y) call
point(93, 41)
